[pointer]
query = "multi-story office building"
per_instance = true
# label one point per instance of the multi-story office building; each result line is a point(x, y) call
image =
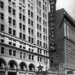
point(64, 57)
point(23, 36)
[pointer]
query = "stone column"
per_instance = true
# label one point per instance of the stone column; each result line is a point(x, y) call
point(18, 71)
point(6, 70)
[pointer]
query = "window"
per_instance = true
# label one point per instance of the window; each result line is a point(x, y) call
point(32, 14)
point(23, 18)
point(37, 58)
point(24, 27)
point(2, 40)
point(37, 42)
point(32, 23)
point(20, 46)
point(32, 31)
point(32, 40)
point(23, 36)
point(20, 54)
point(29, 38)
point(2, 50)
point(10, 43)
point(29, 57)
point(28, 21)
point(29, 30)
point(9, 0)
point(20, 8)
point(20, 35)
point(10, 52)
point(20, 16)
point(14, 53)
point(23, 1)
point(32, 57)
point(13, 4)
point(14, 32)
point(2, 27)
point(24, 11)
point(9, 9)
point(10, 20)
point(39, 3)
point(10, 30)
point(14, 44)
point(20, 25)
point(1, 4)
point(14, 12)
point(24, 55)
point(14, 22)
point(29, 12)
point(2, 16)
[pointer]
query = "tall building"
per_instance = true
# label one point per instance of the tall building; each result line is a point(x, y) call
point(64, 57)
point(23, 36)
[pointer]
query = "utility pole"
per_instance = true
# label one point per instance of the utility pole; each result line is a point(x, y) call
point(52, 45)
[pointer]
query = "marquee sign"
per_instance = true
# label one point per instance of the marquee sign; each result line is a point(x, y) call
point(51, 24)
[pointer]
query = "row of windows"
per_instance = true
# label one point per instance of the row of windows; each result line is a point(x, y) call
point(19, 54)
point(69, 31)
point(15, 53)
point(21, 45)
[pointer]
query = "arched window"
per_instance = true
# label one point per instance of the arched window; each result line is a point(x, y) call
point(23, 66)
point(12, 64)
point(2, 63)
point(31, 67)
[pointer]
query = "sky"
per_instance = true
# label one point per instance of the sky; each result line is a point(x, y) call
point(68, 5)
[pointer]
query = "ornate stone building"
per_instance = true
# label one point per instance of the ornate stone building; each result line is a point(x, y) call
point(23, 36)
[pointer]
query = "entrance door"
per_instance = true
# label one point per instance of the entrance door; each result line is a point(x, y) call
point(12, 73)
